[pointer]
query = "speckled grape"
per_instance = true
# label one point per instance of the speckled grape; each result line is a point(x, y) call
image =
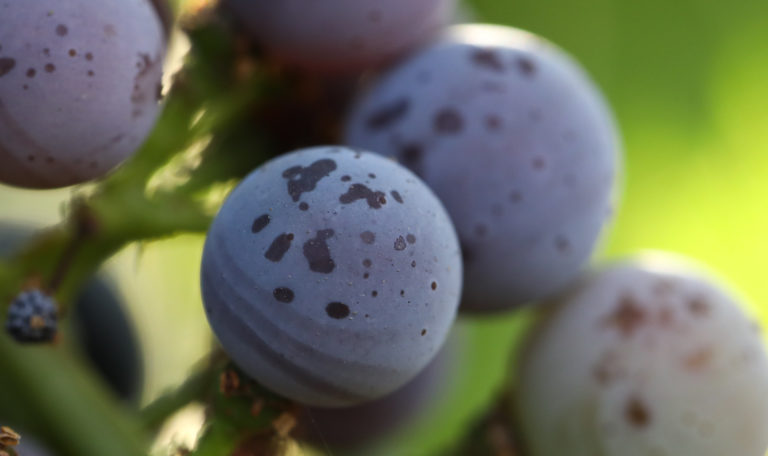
point(341, 35)
point(645, 358)
point(331, 276)
point(79, 87)
point(518, 144)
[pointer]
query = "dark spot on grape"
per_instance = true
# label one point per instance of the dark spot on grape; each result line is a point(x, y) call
point(303, 206)
point(515, 197)
point(487, 59)
point(260, 223)
point(359, 191)
point(374, 293)
point(25, 87)
point(372, 176)
point(368, 237)
point(637, 413)
point(388, 114)
point(72, 53)
point(88, 56)
point(400, 243)
point(526, 66)
point(396, 195)
point(367, 262)
point(434, 285)
point(467, 253)
point(402, 292)
point(304, 180)
point(698, 307)
point(411, 157)
point(493, 122)
point(366, 275)
point(627, 317)
point(318, 254)
point(279, 246)
point(345, 178)
point(539, 163)
point(283, 294)
point(410, 238)
point(6, 65)
point(62, 30)
point(448, 121)
point(562, 244)
point(49, 68)
point(31, 73)
point(337, 310)
point(413, 263)
point(423, 332)
point(90, 73)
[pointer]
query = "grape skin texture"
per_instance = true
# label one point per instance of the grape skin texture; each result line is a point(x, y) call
point(79, 87)
point(645, 357)
point(518, 144)
point(331, 276)
point(341, 36)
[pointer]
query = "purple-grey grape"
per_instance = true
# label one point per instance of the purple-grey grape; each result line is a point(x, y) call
point(518, 144)
point(32, 317)
point(363, 425)
point(341, 35)
point(79, 87)
point(331, 276)
point(645, 357)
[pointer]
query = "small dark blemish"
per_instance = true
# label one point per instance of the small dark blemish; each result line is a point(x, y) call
point(402, 292)
point(413, 263)
point(279, 246)
point(388, 114)
point(88, 56)
point(46, 52)
point(374, 293)
point(515, 197)
point(488, 59)
point(368, 237)
point(6, 65)
point(90, 73)
point(366, 275)
point(434, 286)
point(423, 332)
point(410, 238)
point(337, 310)
point(303, 206)
point(345, 178)
point(304, 180)
point(375, 199)
point(72, 53)
point(481, 230)
point(562, 244)
point(260, 222)
point(372, 176)
point(283, 294)
point(493, 122)
point(411, 156)
point(448, 121)
point(637, 413)
point(526, 66)
point(396, 195)
point(400, 243)
point(49, 68)
point(318, 254)
point(698, 307)
point(367, 262)
point(31, 73)
point(62, 30)
point(539, 163)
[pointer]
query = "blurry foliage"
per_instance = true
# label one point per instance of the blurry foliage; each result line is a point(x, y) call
point(687, 80)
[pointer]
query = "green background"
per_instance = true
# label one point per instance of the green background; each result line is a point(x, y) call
point(688, 81)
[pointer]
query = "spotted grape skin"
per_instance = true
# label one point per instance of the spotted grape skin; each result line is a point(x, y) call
point(646, 356)
point(79, 87)
point(341, 36)
point(331, 276)
point(516, 141)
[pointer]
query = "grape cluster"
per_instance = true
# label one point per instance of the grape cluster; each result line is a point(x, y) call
point(474, 172)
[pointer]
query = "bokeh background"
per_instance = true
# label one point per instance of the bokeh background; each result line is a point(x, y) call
point(688, 80)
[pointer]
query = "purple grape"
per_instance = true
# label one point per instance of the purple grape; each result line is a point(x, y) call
point(331, 276)
point(341, 35)
point(516, 141)
point(79, 87)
